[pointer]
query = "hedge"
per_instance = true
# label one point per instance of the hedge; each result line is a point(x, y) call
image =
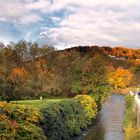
point(57, 121)
point(20, 122)
point(69, 117)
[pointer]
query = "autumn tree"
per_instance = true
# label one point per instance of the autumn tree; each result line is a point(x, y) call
point(136, 76)
point(19, 76)
point(17, 79)
point(7, 63)
point(39, 76)
point(66, 63)
point(120, 78)
point(77, 70)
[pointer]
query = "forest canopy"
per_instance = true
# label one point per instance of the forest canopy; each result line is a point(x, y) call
point(28, 71)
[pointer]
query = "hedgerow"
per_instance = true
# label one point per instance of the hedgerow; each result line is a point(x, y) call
point(20, 122)
point(89, 106)
point(55, 121)
point(131, 131)
point(69, 117)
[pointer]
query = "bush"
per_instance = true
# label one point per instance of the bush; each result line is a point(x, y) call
point(130, 120)
point(130, 116)
point(132, 133)
point(59, 120)
point(97, 98)
point(64, 119)
point(129, 101)
point(20, 122)
point(89, 106)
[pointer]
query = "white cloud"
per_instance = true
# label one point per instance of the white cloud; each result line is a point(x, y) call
point(56, 19)
point(38, 5)
point(32, 18)
point(11, 10)
point(97, 22)
point(17, 12)
point(44, 34)
point(86, 22)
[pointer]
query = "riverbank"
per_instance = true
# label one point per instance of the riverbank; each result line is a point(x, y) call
point(109, 123)
point(131, 131)
point(65, 117)
point(94, 122)
point(121, 91)
point(89, 128)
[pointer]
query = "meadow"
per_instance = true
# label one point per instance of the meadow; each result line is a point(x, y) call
point(39, 103)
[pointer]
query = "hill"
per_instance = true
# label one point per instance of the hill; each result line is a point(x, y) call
point(118, 52)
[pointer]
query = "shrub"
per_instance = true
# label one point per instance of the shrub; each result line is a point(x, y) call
point(132, 133)
point(20, 122)
point(129, 101)
point(89, 106)
point(64, 119)
point(8, 128)
point(130, 120)
point(130, 116)
point(97, 98)
point(59, 120)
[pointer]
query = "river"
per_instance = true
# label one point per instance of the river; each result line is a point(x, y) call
point(110, 122)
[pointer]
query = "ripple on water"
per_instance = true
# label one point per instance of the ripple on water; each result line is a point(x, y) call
point(110, 122)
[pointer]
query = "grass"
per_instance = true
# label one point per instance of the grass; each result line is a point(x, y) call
point(38, 103)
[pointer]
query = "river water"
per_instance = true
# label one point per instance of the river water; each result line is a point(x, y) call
point(110, 122)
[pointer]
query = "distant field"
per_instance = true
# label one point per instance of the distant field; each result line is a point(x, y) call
point(38, 103)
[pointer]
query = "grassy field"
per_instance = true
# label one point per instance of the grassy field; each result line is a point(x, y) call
point(38, 103)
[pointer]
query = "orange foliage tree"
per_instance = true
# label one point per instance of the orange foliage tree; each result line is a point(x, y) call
point(19, 75)
point(120, 78)
point(17, 78)
point(40, 76)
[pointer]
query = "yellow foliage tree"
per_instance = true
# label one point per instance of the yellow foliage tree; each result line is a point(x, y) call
point(120, 78)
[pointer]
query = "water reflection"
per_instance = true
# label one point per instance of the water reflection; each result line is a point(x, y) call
point(110, 122)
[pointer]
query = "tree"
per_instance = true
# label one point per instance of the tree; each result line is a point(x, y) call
point(63, 69)
point(95, 78)
point(136, 76)
point(76, 86)
point(7, 63)
point(120, 78)
point(40, 76)
point(17, 79)
point(19, 76)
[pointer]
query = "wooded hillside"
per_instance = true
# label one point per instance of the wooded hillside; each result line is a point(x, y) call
point(29, 71)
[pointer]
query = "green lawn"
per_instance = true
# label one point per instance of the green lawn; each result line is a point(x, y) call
point(38, 103)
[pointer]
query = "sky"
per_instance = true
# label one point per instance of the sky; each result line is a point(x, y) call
point(67, 23)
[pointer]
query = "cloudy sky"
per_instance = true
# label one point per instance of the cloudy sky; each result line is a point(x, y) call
point(65, 23)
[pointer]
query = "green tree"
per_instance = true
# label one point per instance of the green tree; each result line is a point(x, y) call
point(95, 76)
